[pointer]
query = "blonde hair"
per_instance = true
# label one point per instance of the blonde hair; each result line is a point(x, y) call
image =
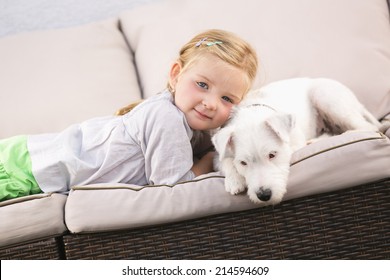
point(226, 46)
point(223, 44)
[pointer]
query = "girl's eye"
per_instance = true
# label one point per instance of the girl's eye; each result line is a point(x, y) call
point(272, 155)
point(202, 85)
point(228, 99)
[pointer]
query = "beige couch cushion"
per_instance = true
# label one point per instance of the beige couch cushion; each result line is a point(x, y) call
point(317, 168)
point(51, 79)
point(31, 218)
point(345, 40)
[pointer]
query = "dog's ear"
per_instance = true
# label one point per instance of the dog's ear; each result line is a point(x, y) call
point(281, 125)
point(223, 142)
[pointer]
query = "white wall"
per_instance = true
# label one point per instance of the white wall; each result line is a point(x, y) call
point(26, 15)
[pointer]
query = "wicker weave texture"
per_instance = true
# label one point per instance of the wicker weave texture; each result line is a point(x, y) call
point(48, 249)
point(348, 224)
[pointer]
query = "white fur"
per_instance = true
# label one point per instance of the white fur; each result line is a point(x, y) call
point(255, 147)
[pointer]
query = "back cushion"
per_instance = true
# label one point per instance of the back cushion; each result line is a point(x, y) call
point(347, 40)
point(51, 79)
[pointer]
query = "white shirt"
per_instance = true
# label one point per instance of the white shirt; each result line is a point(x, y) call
point(148, 145)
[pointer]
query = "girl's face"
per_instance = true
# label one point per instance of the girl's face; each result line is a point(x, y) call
point(207, 91)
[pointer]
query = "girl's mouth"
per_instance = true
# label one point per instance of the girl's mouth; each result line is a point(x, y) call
point(202, 115)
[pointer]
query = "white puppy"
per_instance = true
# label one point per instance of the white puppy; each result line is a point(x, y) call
point(255, 147)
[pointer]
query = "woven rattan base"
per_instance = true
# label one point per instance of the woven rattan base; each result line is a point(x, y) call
point(348, 224)
point(48, 249)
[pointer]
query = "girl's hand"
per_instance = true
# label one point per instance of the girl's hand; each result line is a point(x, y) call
point(204, 165)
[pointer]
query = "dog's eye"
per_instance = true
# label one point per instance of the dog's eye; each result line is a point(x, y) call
point(272, 155)
point(243, 163)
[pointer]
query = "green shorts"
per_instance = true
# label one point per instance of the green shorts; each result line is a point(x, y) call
point(16, 178)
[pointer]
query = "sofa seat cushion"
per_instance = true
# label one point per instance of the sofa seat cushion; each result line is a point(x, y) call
point(338, 162)
point(54, 78)
point(31, 218)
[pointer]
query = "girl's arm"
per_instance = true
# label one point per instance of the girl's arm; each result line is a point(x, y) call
point(204, 165)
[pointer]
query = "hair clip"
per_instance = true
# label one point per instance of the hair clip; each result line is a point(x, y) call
point(200, 42)
point(214, 43)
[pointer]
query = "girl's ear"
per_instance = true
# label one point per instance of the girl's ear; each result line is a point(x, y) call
point(174, 74)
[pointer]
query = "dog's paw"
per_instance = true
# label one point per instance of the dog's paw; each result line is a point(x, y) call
point(234, 186)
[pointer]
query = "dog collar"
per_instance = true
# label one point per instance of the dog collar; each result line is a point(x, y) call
point(261, 105)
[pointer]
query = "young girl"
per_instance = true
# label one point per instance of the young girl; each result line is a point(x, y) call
point(151, 144)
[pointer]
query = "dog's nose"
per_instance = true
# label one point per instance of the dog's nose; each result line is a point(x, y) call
point(264, 194)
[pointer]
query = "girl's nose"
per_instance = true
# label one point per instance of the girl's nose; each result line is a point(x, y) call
point(210, 103)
